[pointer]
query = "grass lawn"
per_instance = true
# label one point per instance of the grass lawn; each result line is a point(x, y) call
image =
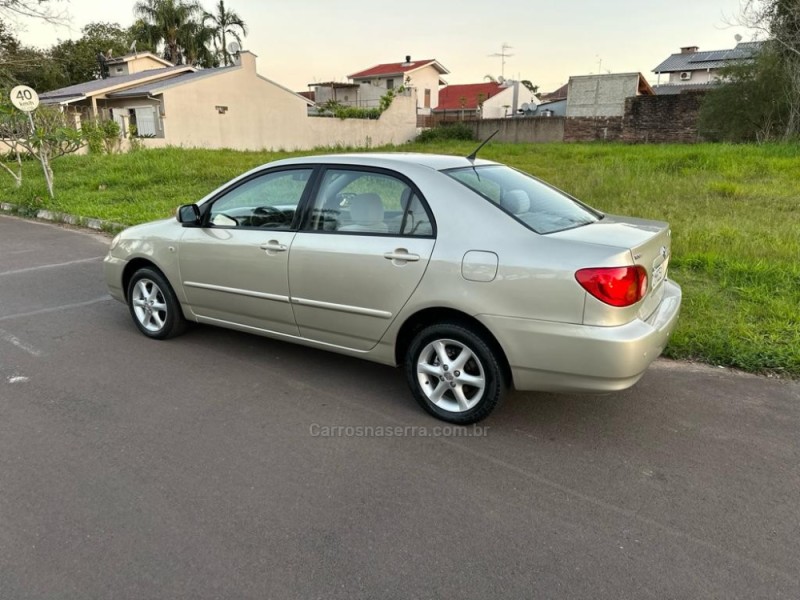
point(734, 211)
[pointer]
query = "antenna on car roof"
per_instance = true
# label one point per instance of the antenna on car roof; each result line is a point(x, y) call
point(474, 154)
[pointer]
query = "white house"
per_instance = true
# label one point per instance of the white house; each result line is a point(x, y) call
point(423, 75)
point(692, 68)
point(225, 107)
point(490, 100)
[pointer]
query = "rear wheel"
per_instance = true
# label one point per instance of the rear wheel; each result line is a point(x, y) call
point(454, 374)
point(153, 305)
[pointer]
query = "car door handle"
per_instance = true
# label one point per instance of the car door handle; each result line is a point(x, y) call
point(401, 255)
point(274, 246)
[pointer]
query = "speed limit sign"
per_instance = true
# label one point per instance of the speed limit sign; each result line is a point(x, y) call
point(24, 98)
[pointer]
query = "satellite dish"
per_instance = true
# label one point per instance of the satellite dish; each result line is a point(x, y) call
point(738, 38)
point(526, 107)
point(234, 47)
point(501, 80)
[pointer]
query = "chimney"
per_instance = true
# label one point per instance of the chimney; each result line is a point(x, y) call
point(247, 60)
point(408, 60)
point(689, 49)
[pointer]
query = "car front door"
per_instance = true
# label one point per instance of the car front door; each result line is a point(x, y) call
point(363, 249)
point(234, 269)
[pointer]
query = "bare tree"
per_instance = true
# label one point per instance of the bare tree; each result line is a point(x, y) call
point(36, 9)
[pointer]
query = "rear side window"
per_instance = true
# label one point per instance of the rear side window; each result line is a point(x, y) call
point(535, 204)
point(351, 201)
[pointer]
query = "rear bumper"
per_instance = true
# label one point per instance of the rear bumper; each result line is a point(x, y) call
point(565, 357)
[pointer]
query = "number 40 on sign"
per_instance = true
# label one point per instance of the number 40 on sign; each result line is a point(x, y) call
point(24, 98)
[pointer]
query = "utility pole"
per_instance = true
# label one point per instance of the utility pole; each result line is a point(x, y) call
point(503, 55)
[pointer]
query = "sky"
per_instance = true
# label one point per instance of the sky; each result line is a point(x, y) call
point(304, 41)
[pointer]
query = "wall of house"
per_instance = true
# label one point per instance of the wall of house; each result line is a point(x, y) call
point(494, 107)
point(135, 65)
point(600, 95)
point(260, 114)
point(345, 96)
point(697, 77)
point(426, 78)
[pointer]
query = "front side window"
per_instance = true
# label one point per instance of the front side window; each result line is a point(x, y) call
point(540, 207)
point(267, 201)
point(351, 201)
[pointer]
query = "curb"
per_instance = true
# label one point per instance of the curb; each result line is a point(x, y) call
point(59, 217)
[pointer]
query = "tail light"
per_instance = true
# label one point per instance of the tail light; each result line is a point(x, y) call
point(617, 286)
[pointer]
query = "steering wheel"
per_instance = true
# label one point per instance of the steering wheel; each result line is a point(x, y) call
point(269, 215)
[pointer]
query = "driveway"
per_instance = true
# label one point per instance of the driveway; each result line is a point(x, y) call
point(222, 465)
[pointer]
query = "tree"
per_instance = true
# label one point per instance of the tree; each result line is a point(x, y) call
point(225, 24)
point(77, 59)
point(779, 21)
point(196, 42)
point(54, 134)
point(167, 22)
point(26, 65)
point(530, 87)
point(751, 106)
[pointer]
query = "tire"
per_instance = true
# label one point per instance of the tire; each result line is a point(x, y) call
point(456, 392)
point(153, 306)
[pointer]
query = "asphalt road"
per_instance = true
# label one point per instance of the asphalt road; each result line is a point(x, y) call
point(198, 468)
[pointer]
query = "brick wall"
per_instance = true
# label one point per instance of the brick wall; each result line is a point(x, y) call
point(589, 129)
point(663, 119)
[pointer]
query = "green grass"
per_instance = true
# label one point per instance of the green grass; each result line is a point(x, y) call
point(734, 211)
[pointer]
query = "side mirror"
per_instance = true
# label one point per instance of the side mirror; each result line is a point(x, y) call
point(189, 215)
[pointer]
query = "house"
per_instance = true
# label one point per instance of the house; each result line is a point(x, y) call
point(225, 107)
point(692, 69)
point(135, 63)
point(423, 75)
point(555, 96)
point(346, 94)
point(491, 100)
point(604, 95)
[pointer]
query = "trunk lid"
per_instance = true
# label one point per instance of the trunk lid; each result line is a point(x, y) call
point(649, 242)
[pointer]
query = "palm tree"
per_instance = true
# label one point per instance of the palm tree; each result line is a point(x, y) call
point(168, 22)
point(196, 42)
point(225, 23)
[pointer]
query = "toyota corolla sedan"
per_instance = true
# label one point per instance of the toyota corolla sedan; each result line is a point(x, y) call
point(474, 276)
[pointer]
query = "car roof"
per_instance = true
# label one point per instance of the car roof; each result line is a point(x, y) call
point(389, 160)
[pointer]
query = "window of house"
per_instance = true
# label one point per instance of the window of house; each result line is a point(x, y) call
point(427, 98)
point(390, 84)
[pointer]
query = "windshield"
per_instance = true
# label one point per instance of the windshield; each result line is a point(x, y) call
point(540, 207)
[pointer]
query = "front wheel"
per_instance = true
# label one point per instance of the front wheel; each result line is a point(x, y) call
point(454, 374)
point(153, 305)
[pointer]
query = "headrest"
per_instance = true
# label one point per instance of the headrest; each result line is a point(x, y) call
point(516, 202)
point(366, 208)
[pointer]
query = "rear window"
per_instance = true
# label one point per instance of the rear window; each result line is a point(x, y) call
point(535, 204)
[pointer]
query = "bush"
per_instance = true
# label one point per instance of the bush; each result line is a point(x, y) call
point(445, 132)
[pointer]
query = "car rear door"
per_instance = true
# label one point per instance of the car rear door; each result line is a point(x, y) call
point(364, 247)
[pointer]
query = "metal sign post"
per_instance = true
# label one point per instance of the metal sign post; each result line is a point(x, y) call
point(27, 100)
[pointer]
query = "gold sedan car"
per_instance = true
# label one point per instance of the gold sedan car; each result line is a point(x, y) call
point(472, 275)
